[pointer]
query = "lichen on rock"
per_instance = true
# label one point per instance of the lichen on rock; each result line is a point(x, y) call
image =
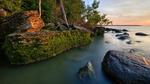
point(24, 48)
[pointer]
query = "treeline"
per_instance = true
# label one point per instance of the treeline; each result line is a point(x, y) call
point(76, 11)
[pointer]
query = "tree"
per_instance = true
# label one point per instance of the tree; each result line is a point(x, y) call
point(11, 6)
point(60, 4)
point(40, 12)
point(94, 17)
point(74, 10)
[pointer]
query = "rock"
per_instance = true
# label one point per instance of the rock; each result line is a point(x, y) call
point(3, 13)
point(116, 30)
point(24, 21)
point(129, 42)
point(122, 36)
point(86, 72)
point(126, 33)
point(141, 34)
point(107, 42)
point(138, 41)
point(27, 47)
point(126, 68)
point(125, 30)
point(35, 21)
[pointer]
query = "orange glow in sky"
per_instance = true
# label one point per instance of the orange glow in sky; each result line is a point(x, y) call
point(127, 12)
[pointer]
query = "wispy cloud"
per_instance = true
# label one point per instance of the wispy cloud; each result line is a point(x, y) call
point(127, 11)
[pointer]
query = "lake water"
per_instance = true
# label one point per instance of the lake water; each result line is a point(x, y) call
point(63, 68)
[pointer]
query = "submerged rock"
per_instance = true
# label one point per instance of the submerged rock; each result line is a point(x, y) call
point(86, 72)
point(141, 34)
point(126, 68)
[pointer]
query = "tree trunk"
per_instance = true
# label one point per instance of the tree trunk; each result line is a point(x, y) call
point(40, 12)
point(63, 12)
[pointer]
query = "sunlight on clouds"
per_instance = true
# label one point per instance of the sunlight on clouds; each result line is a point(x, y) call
point(127, 11)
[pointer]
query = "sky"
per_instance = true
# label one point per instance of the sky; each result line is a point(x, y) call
point(126, 12)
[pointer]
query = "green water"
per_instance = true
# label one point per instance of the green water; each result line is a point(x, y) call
point(63, 68)
point(59, 70)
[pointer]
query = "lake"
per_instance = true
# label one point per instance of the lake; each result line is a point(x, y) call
point(63, 68)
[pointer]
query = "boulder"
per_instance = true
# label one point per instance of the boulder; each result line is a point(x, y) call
point(86, 72)
point(141, 34)
point(126, 68)
point(123, 36)
point(24, 21)
point(27, 47)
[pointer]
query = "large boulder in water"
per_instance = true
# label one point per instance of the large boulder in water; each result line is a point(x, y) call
point(126, 68)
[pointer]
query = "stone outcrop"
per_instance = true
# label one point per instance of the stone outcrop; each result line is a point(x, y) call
point(27, 21)
point(126, 68)
point(25, 48)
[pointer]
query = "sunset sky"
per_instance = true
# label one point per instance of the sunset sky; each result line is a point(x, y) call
point(128, 12)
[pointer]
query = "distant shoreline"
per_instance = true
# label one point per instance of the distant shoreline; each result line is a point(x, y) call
point(123, 25)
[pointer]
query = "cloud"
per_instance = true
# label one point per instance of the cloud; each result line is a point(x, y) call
point(127, 11)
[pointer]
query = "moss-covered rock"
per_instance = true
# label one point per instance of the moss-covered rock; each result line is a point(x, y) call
point(24, 48)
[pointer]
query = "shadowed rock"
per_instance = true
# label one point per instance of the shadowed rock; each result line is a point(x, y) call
point(126, 68)
point(141, 34)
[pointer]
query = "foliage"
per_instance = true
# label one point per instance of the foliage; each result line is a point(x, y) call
point(74, 10)
point(52, 13)
point(11, 6)
point(94, 17)
point(27, 48)
point(47, 7)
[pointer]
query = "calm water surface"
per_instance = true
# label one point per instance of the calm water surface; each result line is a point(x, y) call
point(63, 68)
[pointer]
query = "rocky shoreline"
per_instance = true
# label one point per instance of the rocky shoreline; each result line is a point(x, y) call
point(126, 68)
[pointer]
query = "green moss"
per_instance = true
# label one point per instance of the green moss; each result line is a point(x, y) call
point(28, 48)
